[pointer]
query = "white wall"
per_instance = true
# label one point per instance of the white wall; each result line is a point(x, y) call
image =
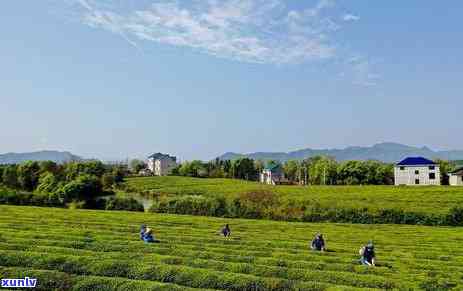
point(408, 176)
point(161, 167)
point(150, 164)
point(456, 180)
point(266, 178)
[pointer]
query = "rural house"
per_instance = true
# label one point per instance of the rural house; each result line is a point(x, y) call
point(456, 177)
point(161, 164)
point(416, 171)
point(272, 174)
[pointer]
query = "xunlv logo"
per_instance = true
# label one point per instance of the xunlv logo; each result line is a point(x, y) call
point(19, 283)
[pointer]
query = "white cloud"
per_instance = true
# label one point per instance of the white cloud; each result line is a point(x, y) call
point(258, 31)
point(253, 31)
point(350, 17)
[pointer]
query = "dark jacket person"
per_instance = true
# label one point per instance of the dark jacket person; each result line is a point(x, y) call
point(318, 243)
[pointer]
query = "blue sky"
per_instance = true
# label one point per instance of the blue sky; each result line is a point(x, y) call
point(116, 79)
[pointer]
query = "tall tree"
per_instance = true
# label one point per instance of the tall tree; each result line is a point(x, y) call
point(28, 175)
point(10, 176)
point(244, 169)
point(291, 170)
point(445, 167)
point(137, 165)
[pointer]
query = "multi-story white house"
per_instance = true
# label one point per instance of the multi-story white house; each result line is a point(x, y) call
point(456, 177)
point(161, 164)
point(416, 171)
point(272, 174)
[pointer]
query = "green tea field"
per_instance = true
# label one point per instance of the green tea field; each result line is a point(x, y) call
point(101, 250)
point(419, 199)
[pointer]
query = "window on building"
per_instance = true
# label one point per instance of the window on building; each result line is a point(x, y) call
point(417, 181)
point(432, 167)
point(402, 168)
point(432, 176)
point(417, 172)
point(462, 178)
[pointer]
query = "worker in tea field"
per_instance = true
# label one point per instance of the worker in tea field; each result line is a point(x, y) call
point(318, 243)
point(226, 231)
point(142, 231)
point(367, 254)
point(148, 236)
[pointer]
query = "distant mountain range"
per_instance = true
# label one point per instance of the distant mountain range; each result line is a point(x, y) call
point(386, 152)
point(55, 156)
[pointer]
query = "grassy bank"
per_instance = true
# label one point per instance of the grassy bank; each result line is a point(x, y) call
point(440, 205)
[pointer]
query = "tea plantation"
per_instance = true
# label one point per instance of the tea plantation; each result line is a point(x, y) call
point(417, 199)
point(101, 250)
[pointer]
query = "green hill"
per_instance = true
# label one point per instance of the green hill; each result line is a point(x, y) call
point(97, 250)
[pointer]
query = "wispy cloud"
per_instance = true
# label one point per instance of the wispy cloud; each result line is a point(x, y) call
point(254, 31)
point(350, 17)
point(260, 31)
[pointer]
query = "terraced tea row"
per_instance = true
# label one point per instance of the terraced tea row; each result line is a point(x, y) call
point(90, 247)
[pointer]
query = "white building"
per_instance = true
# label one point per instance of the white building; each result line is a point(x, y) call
point(456, 177)
point(160, 164)
point(272, 174)
point(416, 171)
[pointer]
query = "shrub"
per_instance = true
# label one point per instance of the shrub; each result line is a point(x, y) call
point(84, 187)
point(13, 197)
point(117, 203)
point(455, 216)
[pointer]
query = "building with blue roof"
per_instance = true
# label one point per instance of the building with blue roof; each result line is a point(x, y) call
point(416, 171)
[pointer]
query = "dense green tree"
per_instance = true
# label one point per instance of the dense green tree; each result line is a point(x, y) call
point(47, 183)
point(193, 169)
point(28, 175)
point(137, 165)
point(322, 171)
point(244, 169)
point(385, 174)
point(259, 165)
point(10, 176)
point(352, 173)
point(74, 169)
point(84, 187)
point(215, 168)
point(291, 170)
point(48, 166)
point(445, 167)
point(227, 168)
point(108, 180)
point(119, 173)
point(2, 168)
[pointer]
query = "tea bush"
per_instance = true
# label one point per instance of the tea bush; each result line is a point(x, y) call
point(90, 250)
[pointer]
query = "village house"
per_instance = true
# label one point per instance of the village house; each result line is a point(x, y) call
point(161, 164)
point(272, 174)
point(416, 171)
point(456, 177)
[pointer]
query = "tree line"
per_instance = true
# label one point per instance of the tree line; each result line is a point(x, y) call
point(318, 170)
point(50, 184)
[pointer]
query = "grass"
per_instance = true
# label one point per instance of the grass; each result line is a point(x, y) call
point(89, 250)
point(418, 199)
